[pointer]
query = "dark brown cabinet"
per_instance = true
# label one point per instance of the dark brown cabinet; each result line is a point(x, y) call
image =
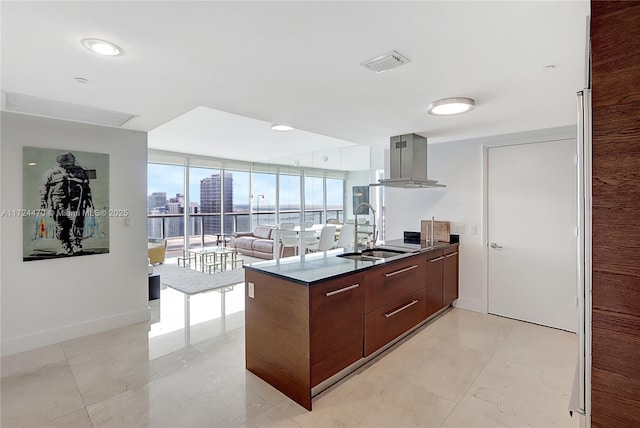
point(298, 336)
point(450, 276)
point(393, 280)
point(393, 319)
point(442, 278)
point(336, 326)
point(435, 262)
point(395, 299)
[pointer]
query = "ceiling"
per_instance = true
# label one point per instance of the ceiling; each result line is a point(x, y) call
point(210, 77)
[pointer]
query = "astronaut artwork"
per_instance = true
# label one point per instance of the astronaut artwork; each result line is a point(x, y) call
point(66, 210)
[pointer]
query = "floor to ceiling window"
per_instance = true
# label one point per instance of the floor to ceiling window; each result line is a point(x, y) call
point(205, 205)
point(314, 199)
point(263, 207)
point(289, 191)
point(335, 199)
point(237, 213)
point(223, 197)
point(165, 202)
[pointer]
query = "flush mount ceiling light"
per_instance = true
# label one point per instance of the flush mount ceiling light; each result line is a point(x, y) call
point(450, 106)
point(102, 47)
point(282, 128)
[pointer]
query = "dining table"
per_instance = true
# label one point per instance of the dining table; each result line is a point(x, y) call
point(316, 228)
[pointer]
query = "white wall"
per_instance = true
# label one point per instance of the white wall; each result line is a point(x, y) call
point(461, 166)
point(48, 301)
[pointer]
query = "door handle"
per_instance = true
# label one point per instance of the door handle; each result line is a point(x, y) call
point(495, 246)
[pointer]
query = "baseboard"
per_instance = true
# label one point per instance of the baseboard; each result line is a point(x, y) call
point(50, 337)
point(471, 305)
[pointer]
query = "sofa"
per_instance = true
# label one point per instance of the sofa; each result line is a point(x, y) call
point(258, 243)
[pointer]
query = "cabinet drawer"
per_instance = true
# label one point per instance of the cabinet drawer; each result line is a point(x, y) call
point(390, 321)
point(336, 326)
point(389, 282)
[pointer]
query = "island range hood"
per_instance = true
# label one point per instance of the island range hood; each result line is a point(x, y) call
point(408, 155)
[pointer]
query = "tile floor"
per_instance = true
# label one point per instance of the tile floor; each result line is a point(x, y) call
point(462, 370)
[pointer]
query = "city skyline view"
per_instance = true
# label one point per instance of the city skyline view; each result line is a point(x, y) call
point(169, 179)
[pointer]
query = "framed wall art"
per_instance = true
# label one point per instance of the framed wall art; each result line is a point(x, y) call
point(65, 203)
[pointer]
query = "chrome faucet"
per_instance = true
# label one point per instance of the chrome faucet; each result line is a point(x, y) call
point(355, 235)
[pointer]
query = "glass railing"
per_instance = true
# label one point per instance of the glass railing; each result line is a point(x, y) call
point(206, 230)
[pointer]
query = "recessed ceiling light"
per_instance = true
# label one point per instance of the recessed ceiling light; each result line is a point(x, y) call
point(32, 164)
point(276, 127)
point(102, 47)
point(450, 106)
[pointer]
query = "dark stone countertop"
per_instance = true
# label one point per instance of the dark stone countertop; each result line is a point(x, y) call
point(313, 268)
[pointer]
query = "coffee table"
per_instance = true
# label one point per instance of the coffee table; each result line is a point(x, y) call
point(212, 258)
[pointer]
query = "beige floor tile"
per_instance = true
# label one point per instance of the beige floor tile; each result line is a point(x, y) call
point(263, 389)
point(372, 399)
point(196, 397)
point(518, 395)
point(103, 373)
point(467, 417)
point(464, 369)
point(447, 370)
point(540, 347)
point(121, 338)
point(271, 418)
point(175, 361)
point(31, 360)
point(78, 419)
point(459, 327)
point(35, 397)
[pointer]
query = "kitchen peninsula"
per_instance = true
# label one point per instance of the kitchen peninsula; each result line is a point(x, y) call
point(311, 320)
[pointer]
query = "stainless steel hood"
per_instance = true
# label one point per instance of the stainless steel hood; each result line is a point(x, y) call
point(408, 155)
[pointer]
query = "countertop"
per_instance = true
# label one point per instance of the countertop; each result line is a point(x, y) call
point(309, 269)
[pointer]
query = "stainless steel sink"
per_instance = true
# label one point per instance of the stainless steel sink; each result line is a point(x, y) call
point(383, 254)
point(359, 257)
point(372, 255)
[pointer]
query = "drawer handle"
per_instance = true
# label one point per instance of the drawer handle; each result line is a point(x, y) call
point(342, 290)
point(408, 305)
point(451, 255)
point(400, 271)
point(435, 260)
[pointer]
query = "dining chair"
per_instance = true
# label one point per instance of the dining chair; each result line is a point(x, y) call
point(307, 224)
point(309, 240)
point(288, 239)
point(333, 221)
point(326, 241)
point(345, 240)
point(287, 226)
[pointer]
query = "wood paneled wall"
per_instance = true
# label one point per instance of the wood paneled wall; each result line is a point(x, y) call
point(615, 40)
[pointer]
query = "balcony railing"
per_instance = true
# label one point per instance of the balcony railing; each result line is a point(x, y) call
point(206, 229)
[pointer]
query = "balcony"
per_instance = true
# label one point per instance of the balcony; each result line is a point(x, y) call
point(171, 226)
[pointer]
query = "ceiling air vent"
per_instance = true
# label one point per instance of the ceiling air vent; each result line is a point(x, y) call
point(385, 62)
point(62, 110)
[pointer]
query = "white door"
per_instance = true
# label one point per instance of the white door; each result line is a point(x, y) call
point(532, 233)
